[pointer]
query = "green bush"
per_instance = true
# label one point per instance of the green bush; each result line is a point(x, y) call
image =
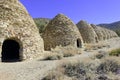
point(118, 32)
point(115, 52)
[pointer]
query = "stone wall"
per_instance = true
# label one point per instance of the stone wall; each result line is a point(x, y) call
point(16, 24)
point(61, 31)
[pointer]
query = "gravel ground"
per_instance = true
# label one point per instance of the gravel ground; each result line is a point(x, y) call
point(30, 70)
point(36, 69)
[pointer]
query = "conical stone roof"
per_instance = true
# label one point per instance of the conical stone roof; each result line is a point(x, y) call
point(98, 32)
point(102, 30)
point(103, 33)
point(16, 24)
point(61, 31)
point(87, 32)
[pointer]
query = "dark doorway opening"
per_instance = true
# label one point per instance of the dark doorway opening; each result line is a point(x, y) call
point(79, 43)
point(10, 51)
point(96, 39)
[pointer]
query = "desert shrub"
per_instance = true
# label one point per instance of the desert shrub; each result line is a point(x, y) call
point(89, 47)
point(93, 71)
point(102, 77)
point(80, 71)
point(53, 76)
point(53, 56)
point(67, 51)
point(99, 47)
point(101, 54)
point(56, 74)
point(115, 52)
point(57, 57)
point(105, 69)
point(108, 66)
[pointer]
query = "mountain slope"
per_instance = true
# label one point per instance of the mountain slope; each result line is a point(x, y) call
point(41, 23)
point(113, 26)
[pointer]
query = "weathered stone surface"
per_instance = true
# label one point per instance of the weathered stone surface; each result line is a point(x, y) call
point(16, 24)
point(92, 33)
point(104, 33)
point(107, 33)
point(87, 32)
point(114, 34)
point(98, 32)
point(61, 31)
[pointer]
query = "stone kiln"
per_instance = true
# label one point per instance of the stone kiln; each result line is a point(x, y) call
point(61, 31)
point(19, 36)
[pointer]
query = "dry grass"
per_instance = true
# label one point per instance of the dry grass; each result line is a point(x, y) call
point(67, 51)
point(52, 56)
point(89, 47)
point(101, 54)
point(107, 68)
point(60, 52)
point(56, 74)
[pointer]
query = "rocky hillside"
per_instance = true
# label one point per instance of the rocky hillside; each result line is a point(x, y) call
point(114, 26)
point(41, 23)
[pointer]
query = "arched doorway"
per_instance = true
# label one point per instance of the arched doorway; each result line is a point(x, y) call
point(96, 39)
point(79, 43)
point(10, 51)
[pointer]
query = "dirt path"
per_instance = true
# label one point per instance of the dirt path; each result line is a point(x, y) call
point(36, 69)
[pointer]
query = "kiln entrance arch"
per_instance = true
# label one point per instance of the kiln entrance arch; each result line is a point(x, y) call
point(79, 45)
point(10, 51)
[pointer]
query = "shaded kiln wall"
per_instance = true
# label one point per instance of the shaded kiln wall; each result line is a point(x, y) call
point(87, 32)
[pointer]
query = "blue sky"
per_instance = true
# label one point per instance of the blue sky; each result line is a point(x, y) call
point(92, 11)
